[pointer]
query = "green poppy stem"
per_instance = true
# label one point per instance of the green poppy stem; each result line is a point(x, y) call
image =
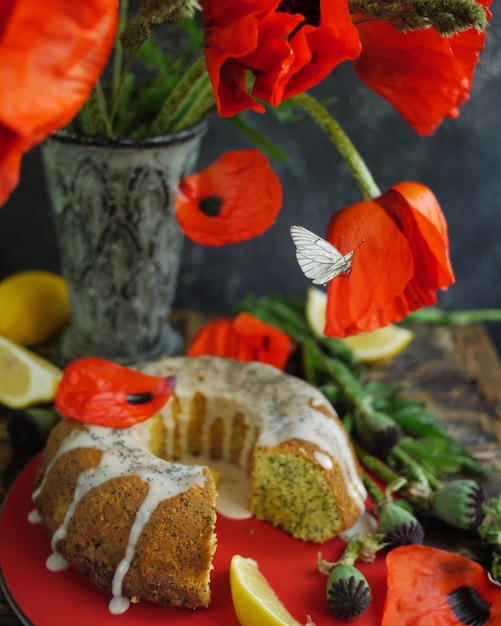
point(373, 490)
point(454, 318)
point(374, 465)
point(181, 97)
point(118, 50)
point(350, 154)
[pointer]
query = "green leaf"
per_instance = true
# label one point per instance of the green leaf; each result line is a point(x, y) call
point(439, 455)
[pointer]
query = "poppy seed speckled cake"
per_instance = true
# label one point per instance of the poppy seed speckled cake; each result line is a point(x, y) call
point(123, 509)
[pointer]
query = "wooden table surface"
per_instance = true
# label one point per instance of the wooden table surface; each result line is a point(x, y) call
point(456, 370)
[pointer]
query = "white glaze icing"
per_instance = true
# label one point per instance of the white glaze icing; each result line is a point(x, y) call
point(274, 408)
point(56, 562)
point(323, 460)
point(123, 455)
point(278, 406)
point(34, 517)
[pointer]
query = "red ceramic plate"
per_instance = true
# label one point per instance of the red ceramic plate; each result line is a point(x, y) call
point(44, 598)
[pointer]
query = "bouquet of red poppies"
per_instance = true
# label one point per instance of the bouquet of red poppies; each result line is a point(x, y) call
point(229, 57)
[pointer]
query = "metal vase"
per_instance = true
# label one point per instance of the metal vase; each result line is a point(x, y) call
point(119, 240)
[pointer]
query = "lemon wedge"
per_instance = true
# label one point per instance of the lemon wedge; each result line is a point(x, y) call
point(316, 305)
point(34, 306)
point(370, 347)
point(254, 601)
point(25, 378)
point(380, 344)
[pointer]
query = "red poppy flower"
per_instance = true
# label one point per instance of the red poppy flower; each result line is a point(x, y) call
point(97, 391)
point(400, 266)
point(234, 199)
point(244, 338)
point(289, 46)
point(425, 76)
point(51, 54)
point(430, 586)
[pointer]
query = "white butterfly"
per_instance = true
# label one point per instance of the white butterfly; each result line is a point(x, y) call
point(319, 259)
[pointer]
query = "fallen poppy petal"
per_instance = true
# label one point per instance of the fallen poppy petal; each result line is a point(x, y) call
point(431, 586)
point(51, 55)
point(425, 76)
point(214, 338)
point(234, 199)
point(244, 338)
point(101, 392)
point(260, 341)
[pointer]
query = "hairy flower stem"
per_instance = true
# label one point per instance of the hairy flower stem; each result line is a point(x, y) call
point(199, 106)
point(118, 50)
point(324, 119)
point(454, 318)
point(373, 490)
point(116, 95)
point(374, 465)
point(180, 95)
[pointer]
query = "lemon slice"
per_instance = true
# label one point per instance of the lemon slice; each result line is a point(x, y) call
point(380, 344)
point(254, 601)
point(370, 347)
point(316, 305)
point(25, 378)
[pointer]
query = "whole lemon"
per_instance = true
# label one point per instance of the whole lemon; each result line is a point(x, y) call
point(34, 306)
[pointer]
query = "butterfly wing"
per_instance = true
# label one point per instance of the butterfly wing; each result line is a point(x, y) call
point(319, 260)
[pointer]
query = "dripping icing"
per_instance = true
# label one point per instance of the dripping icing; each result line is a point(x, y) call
point(122, 455)
point(277, 408)
point(281, 407)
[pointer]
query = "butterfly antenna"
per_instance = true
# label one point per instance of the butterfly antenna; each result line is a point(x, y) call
point(363, 241)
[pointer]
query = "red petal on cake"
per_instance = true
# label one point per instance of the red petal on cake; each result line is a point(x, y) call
point(97, 391)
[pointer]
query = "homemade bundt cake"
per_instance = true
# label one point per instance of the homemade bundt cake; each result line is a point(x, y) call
point(142, 526)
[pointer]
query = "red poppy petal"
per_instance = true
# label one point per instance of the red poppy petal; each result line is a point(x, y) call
point(12, 148)
point(426, 77)
point(247, 191)
point(291, 54)
point(97, 391)
point(261, 341)
point(418, 215)
point(231, 31)
point(223, 47)
point(215, 338)
point(330, 43)
point(275, 60)
point(372, 295)
point(432, 223)
point(245, 338)
point(419, 579)
point(51, 54)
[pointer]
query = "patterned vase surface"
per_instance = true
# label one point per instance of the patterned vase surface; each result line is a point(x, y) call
point(119, 240)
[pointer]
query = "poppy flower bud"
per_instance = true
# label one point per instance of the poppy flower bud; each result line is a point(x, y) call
point(377, 432)
point(399, 526)
point(460, 503)
point(348, 592)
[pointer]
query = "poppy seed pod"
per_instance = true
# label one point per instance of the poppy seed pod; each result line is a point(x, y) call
point(399, 526)
point(348, 592)
point(377, 432)
point(460, 503)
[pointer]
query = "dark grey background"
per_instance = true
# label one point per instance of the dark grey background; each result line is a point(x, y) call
point(461, 162)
